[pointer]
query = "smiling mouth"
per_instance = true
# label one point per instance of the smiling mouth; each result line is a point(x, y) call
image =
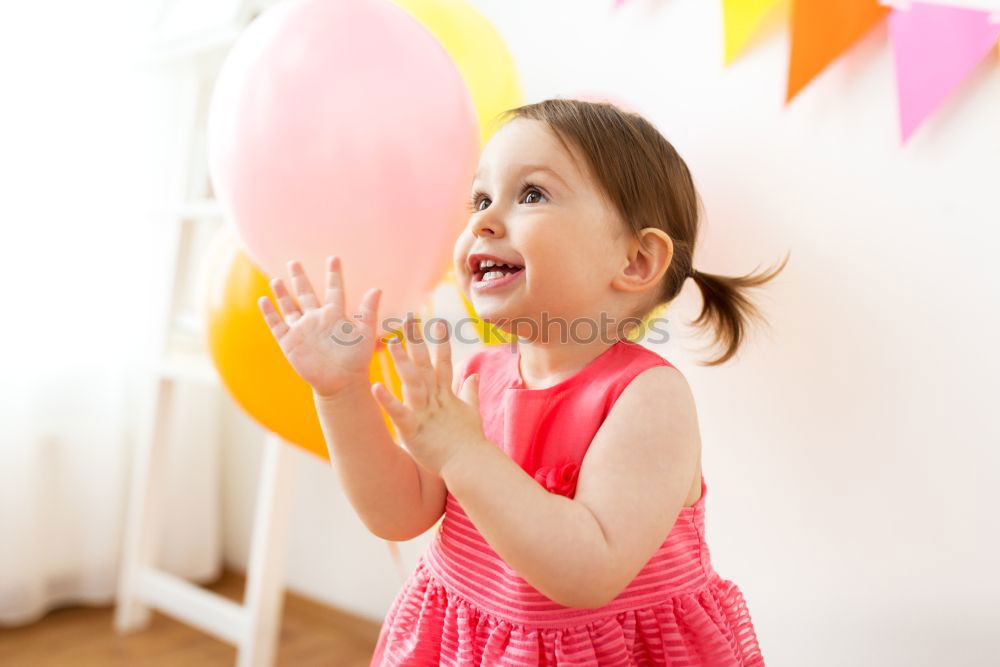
point(498, 272)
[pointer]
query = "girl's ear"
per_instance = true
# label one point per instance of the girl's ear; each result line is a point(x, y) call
point(648, 259)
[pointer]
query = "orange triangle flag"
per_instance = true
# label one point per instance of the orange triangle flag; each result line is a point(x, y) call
point(821, 31)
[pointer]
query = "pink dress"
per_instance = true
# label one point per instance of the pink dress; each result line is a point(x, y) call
point(463, 605)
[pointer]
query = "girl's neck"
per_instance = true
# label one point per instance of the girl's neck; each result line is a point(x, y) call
point(544, 364)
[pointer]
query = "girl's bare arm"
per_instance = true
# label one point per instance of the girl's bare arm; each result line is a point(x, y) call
point(396, 498)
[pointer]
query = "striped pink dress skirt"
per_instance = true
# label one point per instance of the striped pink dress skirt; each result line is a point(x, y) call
point(463, 605)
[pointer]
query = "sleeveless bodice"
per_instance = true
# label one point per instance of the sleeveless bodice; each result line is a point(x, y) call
point(547, 431)
point(464, 605)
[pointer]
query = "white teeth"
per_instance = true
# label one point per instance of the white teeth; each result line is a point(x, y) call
point(487, 263)
point(493, 275)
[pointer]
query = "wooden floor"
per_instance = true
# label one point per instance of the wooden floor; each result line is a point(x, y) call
point(311, 634)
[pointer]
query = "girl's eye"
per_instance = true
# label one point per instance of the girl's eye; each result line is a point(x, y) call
point(535, 191)
point(475, 202)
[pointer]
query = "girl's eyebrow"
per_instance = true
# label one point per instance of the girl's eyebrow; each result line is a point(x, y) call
point(530, 168)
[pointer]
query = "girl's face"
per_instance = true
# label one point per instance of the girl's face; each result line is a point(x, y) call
point(534, 208)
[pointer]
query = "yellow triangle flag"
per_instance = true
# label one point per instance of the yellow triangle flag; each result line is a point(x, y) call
point(742, 21)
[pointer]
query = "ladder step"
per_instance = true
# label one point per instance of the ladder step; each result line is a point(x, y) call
point(188, 365)
point(210, 612)
point(203, 209)
point(169, 51)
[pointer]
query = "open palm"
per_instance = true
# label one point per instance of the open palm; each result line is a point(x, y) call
point(326, 347)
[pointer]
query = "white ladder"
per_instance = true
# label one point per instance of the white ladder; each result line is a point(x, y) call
point(252, 627)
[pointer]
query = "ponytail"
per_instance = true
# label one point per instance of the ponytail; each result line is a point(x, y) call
point(726, 308)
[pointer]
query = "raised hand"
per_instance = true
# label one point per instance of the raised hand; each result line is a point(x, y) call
point(326, 347)
point(433, 422)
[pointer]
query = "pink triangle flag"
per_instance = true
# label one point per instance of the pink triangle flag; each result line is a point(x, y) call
point(935, 48)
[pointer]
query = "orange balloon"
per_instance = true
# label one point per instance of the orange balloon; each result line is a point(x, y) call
point(252, 366)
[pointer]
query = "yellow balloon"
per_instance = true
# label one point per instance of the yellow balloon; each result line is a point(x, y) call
point(479, 53)
point(253, 369)
point(489, 334)
point(638, 333)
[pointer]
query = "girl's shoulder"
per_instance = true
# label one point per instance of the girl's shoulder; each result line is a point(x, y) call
point(631, 360)
point(641, 354)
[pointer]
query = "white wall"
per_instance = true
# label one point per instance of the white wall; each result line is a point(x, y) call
point(852, 450)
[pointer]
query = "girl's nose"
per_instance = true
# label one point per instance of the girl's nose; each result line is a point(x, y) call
point(487, 225)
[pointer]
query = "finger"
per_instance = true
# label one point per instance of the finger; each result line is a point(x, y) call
point(470, 390)
point(401, 417)
point(414, 386)
point(368, 310)
point(274, 321)
point(303, 288)
point(335, 285)
point(289, 307)
point(419, 353)
point(441, 353)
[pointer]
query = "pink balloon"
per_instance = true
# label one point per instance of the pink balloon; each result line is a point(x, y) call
point(342, 127)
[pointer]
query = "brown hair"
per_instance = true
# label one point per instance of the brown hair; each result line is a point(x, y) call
point(649, 184)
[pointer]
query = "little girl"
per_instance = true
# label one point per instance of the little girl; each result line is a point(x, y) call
point(566, 464)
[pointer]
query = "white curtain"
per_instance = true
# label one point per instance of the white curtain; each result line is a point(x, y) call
point(85, 149)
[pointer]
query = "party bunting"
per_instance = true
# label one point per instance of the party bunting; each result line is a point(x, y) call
point(935, 48)
point(742, 20)
point(821, 31)
point(935, 45)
